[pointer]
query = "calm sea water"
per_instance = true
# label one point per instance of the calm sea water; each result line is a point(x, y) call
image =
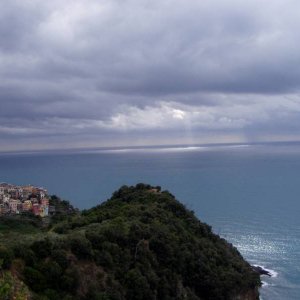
point(249, 194)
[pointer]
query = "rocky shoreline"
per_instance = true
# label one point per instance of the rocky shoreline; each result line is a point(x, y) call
point(253, 294)
point(261, 271)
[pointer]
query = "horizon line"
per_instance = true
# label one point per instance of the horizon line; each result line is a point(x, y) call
point(141, 147)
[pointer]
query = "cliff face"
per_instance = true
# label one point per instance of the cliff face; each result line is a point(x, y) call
point(140, 244)
point(251, 294)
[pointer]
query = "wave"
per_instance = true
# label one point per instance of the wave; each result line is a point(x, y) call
point(266, 284)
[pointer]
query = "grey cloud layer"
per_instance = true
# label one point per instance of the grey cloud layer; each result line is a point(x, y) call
point(106, 68)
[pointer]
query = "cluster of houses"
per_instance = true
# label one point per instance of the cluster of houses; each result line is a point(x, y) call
point(19, 199)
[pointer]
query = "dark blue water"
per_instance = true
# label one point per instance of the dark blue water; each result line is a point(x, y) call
point(250, 195)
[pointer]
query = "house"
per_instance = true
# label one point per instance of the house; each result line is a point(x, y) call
point(13, 205)
point(36, 209)
point(27, 205)
point(4, 208)
point(43, 210)
point(45, 201)
point(2, 190)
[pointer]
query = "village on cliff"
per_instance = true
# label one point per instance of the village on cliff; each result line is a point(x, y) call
point(20, 199)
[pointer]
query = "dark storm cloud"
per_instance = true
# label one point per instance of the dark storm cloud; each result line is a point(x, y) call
point(116, 68)
point(17, 20)
point(164, 48)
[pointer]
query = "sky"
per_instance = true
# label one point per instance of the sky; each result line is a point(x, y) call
point(95, 73)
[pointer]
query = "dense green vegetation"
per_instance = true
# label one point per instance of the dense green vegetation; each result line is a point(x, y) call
point(140, 244)
point(63, 209)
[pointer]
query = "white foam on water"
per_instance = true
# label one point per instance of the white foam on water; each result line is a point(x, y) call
point(266, 284)
point(272, 272)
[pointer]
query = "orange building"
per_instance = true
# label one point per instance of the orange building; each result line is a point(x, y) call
point(27, 205)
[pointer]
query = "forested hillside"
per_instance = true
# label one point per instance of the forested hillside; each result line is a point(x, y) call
point(140, 244)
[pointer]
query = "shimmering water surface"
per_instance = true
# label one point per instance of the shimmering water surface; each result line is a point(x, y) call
point(250, 194)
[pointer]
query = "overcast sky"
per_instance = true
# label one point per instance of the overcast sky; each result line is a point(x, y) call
point(87, 73)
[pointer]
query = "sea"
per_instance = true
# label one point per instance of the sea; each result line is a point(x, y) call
point(248, 193)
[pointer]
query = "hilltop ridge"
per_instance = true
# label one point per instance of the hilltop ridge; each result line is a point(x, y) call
point(140, 244)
